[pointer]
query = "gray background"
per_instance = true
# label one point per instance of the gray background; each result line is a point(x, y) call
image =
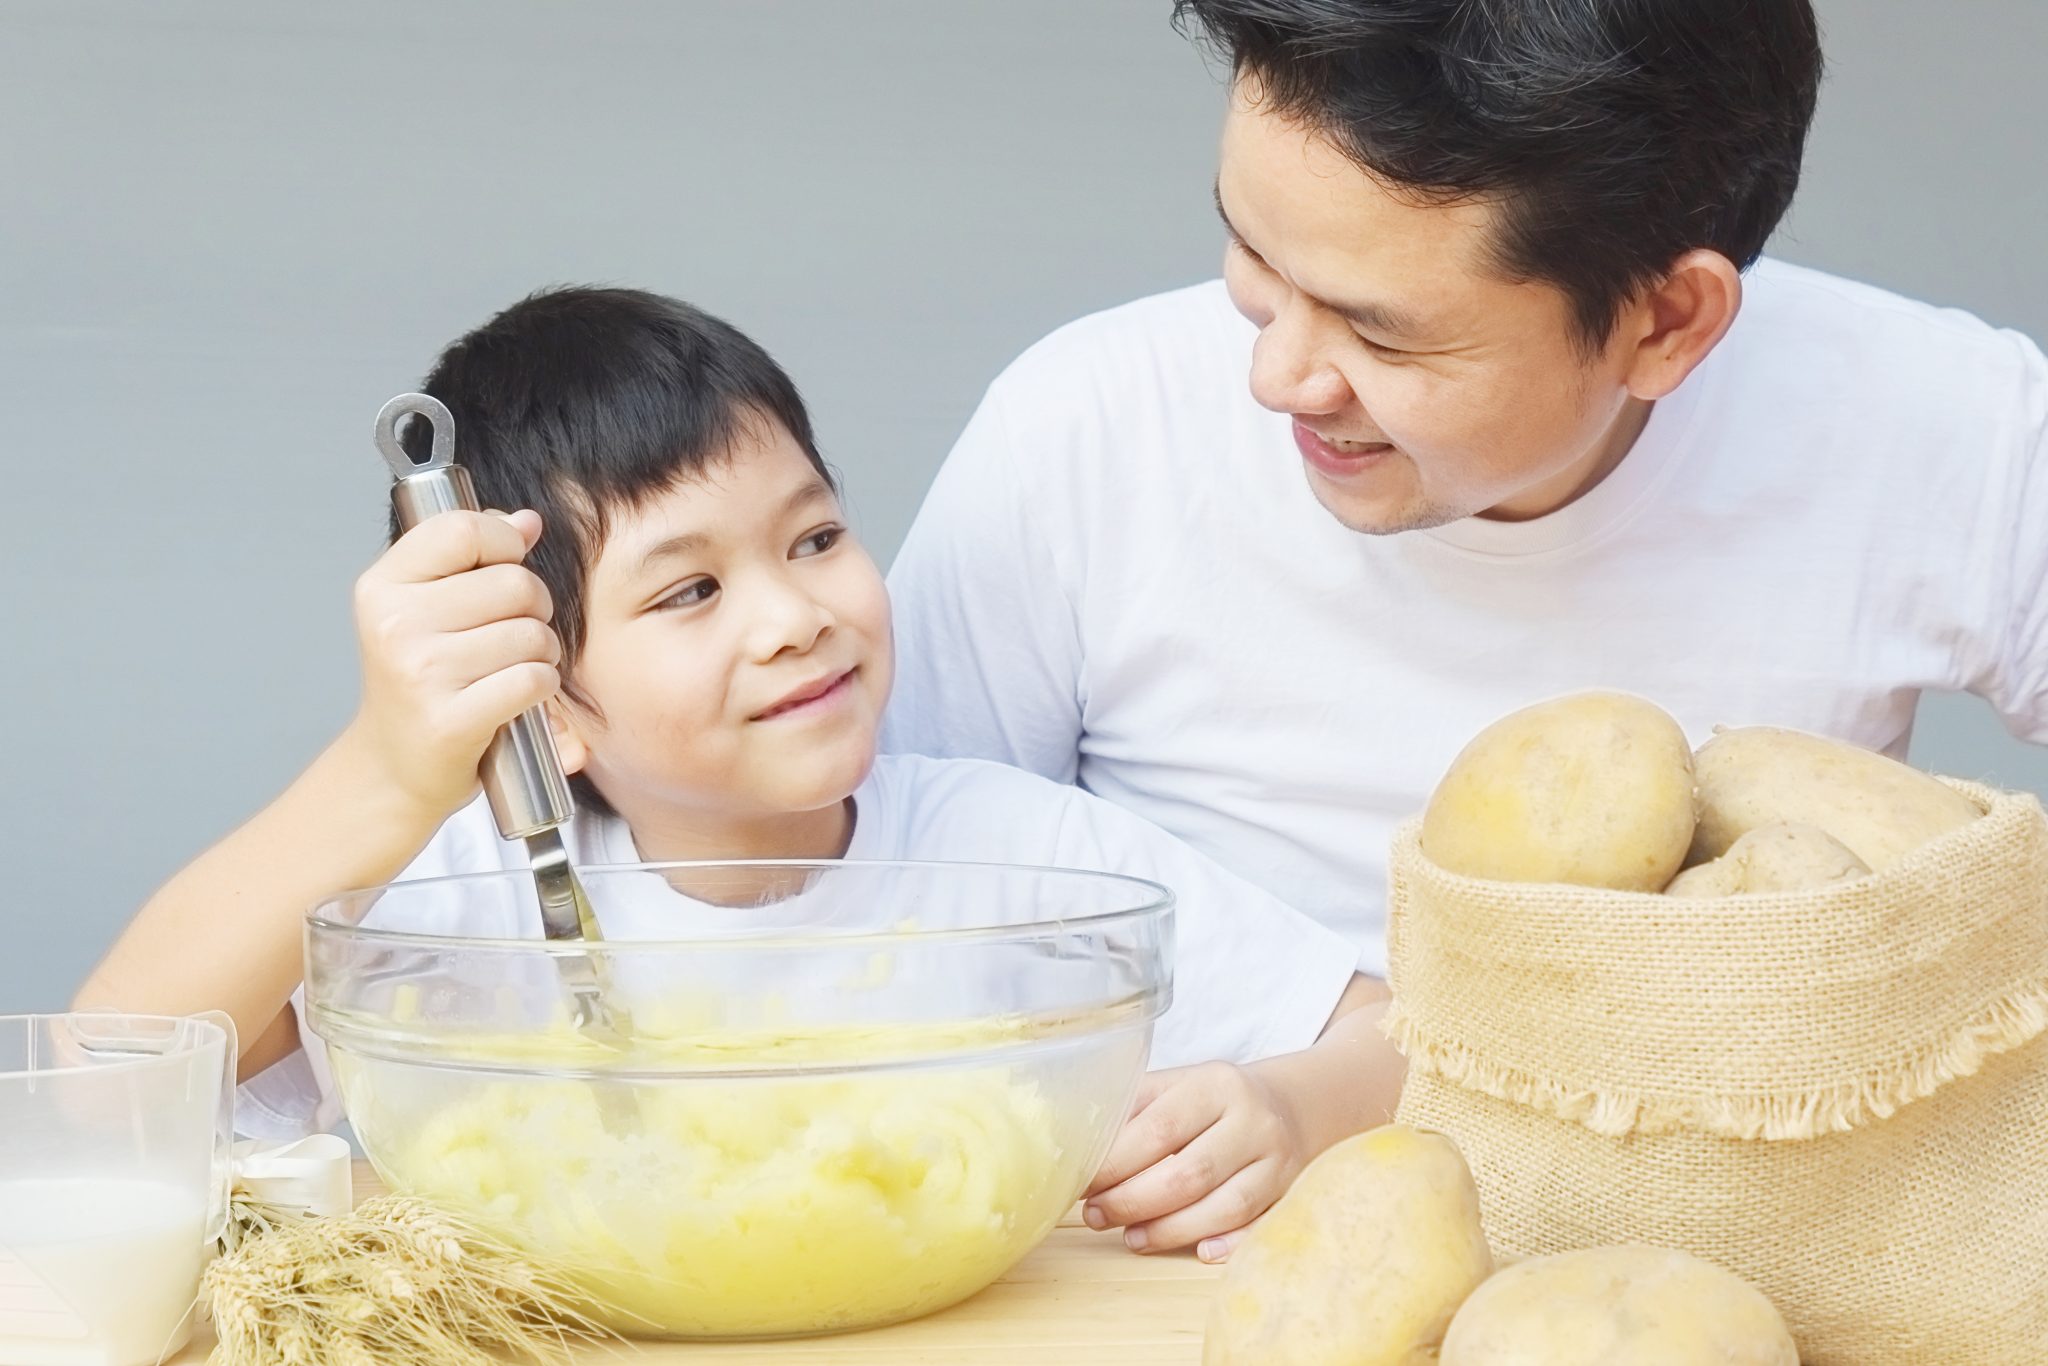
point(230, 231)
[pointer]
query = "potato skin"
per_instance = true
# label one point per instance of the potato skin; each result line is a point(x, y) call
point(1362, 1263)
point(1618, 1306)
point(1781, 857)
point(1879, 808)
point(1593, 788)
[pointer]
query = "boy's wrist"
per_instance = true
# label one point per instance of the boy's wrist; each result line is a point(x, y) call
point(362, 774)
point(1304, 1085)
point(1346, 1082)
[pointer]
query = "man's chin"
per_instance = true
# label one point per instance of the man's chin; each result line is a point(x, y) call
point(1377, 515)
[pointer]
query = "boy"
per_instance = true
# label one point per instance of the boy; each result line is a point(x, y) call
point(678, 588)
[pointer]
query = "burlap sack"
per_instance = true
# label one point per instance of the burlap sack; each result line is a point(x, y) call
point(1841, 1094)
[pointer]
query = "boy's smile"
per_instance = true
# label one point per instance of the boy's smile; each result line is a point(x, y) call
point(813, 700)
point(736, 661)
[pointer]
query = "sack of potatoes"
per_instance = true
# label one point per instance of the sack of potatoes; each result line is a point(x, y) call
point(1780, 1004)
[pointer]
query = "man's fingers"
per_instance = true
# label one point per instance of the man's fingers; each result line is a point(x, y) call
point(1165, 1126)
point(1175, 1181)
point(1230, 1207)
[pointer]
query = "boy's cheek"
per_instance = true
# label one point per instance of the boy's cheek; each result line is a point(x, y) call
point(877, 630)
point(873, 612)
point(881, 673)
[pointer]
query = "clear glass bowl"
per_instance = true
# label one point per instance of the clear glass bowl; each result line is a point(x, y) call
point(827, 1096)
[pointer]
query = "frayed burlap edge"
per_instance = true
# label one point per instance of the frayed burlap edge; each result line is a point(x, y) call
point(2016, 1020)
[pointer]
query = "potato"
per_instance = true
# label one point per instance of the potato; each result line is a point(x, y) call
point(1781, 857)
point(1594, 788)
point(1362, 1263)
point(1617, 1306)
point(1759, 775)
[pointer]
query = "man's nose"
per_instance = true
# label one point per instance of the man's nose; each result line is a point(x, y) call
point(1289, 371)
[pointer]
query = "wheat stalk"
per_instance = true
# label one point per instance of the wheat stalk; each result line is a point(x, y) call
point(398, 1280)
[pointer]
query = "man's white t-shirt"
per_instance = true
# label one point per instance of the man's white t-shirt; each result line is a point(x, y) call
point(1251, 976)
point(1120, 577)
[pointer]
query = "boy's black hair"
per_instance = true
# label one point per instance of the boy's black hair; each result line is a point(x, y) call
point(579, 402)
point(1617, 134)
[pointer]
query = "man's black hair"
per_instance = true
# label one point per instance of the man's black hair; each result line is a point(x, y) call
point(1616, 135)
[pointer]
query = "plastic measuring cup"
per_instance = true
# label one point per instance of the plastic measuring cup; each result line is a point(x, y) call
point(116, 1134)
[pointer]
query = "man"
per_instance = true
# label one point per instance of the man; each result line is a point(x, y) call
point(1520, 420)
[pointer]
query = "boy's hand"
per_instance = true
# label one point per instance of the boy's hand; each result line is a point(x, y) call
point(1205, 1152)
point(455, 642)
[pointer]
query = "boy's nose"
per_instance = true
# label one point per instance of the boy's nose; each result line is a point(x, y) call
point(788, 620)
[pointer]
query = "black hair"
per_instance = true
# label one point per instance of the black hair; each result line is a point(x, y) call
point(1615, 134)
point(580, 402)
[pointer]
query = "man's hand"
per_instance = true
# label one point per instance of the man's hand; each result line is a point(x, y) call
point(1206, 1151)
point(455, 642)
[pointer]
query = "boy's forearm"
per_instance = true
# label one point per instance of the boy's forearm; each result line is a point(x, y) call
point(225, 933)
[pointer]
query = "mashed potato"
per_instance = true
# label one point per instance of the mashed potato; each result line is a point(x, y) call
point(756, 1206)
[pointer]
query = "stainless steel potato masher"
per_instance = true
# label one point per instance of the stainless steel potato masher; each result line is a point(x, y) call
point(521, 771)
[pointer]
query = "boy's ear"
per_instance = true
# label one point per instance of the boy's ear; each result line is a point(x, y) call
point(569, 741)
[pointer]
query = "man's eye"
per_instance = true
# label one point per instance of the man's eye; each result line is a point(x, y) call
point(690, 594)
point(818, 542)
point(1377, 348)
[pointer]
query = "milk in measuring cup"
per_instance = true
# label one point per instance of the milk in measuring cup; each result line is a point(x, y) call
point(96, 1271)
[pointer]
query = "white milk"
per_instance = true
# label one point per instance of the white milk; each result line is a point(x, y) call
point(96, 1272)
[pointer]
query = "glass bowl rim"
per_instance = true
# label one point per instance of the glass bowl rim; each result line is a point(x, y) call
point(1159, 899)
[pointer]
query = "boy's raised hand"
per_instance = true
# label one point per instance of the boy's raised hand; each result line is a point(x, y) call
point(455, 642)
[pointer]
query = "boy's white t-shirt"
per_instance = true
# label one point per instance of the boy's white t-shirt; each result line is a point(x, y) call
point(1121, 578)
point(1251, 976)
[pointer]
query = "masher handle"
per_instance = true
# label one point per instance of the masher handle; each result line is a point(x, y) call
point(521, 771)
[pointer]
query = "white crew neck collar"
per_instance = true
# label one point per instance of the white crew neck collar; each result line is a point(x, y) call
point(615, 843)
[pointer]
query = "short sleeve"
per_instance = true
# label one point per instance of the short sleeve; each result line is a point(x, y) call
point(988, 643)
point(294, 1096)
point(2019, 687)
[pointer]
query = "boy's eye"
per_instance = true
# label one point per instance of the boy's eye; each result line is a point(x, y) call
point(818, 542)
point(690, 594)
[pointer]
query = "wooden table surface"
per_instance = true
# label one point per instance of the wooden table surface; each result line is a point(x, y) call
point(1079, 1300)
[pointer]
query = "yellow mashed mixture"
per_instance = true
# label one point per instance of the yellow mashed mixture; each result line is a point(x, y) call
point(745, 1207)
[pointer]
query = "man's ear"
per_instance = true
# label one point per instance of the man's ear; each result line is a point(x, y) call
point(1678, 321)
